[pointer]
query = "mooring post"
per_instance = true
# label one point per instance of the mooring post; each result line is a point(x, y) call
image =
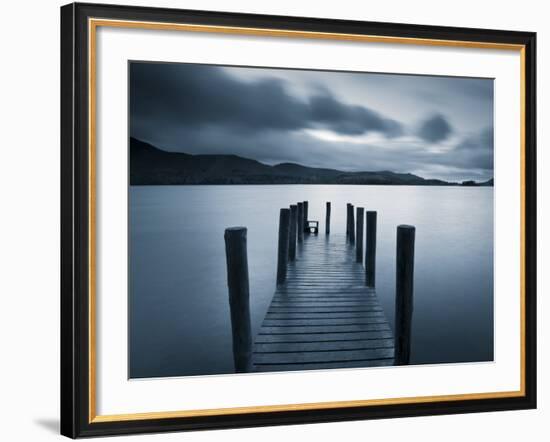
point(370, 253)
point(351, 224)
point(347, 219)
point(404, 285)
point(327, 219)
point(239, 304)
point(300, 222)
point(284, 233)
point(305, 227)
point(292, 234)
point(359, 235)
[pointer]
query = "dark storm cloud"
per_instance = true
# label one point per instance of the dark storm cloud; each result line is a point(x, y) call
point(435, 129)
point(470, 158)
point(166, 96)
point(350, 120)
point(301, 116)
point(475, 150)
point(171, 95)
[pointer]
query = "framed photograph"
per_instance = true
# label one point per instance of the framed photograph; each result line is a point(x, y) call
point(278, 220)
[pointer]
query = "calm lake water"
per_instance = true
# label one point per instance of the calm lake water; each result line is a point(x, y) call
point(178, 306)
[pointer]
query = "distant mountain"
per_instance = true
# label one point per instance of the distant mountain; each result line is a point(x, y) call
point(471, 183)
point(150, 165)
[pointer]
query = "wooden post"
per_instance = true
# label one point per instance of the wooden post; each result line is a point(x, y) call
point(284, 233)
point(347, 219)
point(237, 282)
point(370, 253)
point(300, 222)
point(359, 235)
point(306, 206)
point(404, 285)
point(327, 219)
point(293, 229)
point(351, 225)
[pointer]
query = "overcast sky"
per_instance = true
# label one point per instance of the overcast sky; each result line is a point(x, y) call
point(435, 127)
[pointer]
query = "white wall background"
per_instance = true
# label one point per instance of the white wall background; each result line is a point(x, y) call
point(29, 219)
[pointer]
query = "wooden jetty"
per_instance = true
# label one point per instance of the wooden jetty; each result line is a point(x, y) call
point(324, 312)
point(323, 316)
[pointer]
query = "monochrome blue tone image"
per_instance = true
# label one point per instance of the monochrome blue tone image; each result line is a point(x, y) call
point(284, 220)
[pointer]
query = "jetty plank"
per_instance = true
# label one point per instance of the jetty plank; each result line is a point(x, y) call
point(290, 347)
point(325, 337)
point(327, 315)
point(323, 356)
point(325, 366)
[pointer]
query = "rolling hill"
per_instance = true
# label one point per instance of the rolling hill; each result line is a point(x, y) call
point(152, 166)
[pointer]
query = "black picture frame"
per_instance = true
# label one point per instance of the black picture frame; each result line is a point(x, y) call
point(75, 221)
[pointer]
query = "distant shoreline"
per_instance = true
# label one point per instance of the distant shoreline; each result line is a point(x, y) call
point(152, 166)
point(310, 184)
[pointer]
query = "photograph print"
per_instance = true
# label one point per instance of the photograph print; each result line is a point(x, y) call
point(288, 220)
